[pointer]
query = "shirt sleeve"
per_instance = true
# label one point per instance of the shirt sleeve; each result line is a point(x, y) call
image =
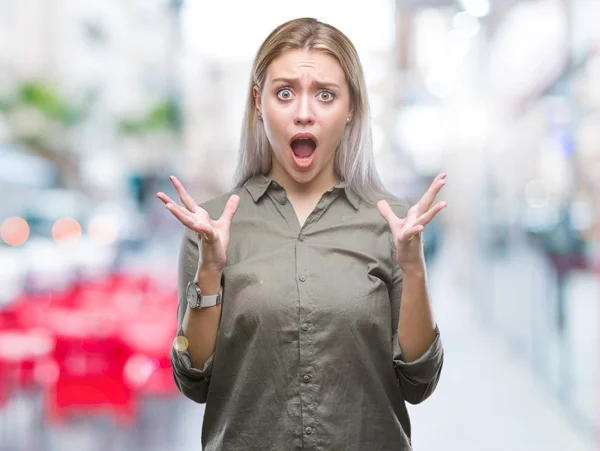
point(417, 379)
point(192, 382)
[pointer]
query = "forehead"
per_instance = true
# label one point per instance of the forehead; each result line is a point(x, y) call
point(301, 63)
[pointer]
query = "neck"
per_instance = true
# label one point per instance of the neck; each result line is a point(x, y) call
point(323, 182)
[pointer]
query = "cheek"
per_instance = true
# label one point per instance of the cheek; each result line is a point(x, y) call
point(336, 132)
point(275, 130)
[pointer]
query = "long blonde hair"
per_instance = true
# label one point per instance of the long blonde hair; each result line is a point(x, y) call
point(354, 161)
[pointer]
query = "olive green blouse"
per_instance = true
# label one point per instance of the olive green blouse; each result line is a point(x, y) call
point(307, 355)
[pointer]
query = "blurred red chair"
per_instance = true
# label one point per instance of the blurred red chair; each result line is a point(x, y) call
point(90, 359)
point(95, 346)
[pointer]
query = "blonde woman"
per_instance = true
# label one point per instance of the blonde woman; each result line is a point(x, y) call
point(304, 316)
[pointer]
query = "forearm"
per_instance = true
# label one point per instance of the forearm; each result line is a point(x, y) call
point(200, 326)
point(416, 324)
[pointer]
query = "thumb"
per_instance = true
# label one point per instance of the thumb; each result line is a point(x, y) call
point(386, 211)
point(230, 208)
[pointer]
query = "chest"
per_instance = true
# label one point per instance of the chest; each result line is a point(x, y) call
point(334, 275)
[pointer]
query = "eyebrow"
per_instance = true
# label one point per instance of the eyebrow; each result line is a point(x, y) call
point(294, 81)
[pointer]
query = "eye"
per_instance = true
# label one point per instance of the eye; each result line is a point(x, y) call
point(284, 93)
point(329, 96)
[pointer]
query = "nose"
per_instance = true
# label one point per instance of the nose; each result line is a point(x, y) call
point(304, 114)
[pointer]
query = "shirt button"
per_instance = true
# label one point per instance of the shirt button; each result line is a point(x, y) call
point(283, 201)
point(304, 327)
point(306, 378)
point(308, 430)
point(301, 237)
point(302, 279)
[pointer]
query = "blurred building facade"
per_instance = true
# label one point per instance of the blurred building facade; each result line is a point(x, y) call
point(504, 97)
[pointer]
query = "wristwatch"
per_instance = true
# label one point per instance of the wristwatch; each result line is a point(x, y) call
point(196, 299)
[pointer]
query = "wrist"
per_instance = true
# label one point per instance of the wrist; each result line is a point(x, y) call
point(414, 271)
point(209, 279)
point(210, 268)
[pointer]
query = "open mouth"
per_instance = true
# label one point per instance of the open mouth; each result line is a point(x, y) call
point(303, 151)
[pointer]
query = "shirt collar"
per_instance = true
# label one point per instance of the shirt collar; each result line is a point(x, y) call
point(258, 185)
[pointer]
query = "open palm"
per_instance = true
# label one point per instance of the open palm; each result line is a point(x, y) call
point(215, 233)
point(407, 231)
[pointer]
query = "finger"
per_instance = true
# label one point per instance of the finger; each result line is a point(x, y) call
point(188, 220)
point(230, 208)
point(426, 218)
point(386, 211)
point(186, 199)
point(185, 218)
point(440, 176)
point(430, 195)
point(168, 201)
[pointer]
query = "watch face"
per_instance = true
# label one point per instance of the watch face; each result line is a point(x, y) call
point(192, 294)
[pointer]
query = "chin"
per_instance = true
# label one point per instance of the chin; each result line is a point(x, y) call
point(302, 176)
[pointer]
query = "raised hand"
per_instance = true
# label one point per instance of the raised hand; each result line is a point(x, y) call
point(407, 231)
point(214, 234)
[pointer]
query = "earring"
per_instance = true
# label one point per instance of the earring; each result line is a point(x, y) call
point(260, 115)
point(347, 119)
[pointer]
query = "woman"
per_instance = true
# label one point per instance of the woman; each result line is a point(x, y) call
point(325, 328)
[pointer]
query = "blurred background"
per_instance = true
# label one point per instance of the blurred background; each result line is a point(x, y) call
point(100, 101)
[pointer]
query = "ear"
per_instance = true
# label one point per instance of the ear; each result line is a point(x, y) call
point(256, 94)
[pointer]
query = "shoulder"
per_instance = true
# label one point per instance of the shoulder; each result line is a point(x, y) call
point(215, 206)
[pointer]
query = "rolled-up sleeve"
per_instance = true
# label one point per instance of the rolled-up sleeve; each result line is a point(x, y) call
point(418, 378)
point(192, 382)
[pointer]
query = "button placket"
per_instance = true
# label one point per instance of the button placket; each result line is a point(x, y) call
point(306, 380)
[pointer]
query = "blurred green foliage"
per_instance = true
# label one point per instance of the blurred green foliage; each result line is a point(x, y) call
point(46, 99)
point(162, 116)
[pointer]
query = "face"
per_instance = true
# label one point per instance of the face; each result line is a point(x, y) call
point(305, 104)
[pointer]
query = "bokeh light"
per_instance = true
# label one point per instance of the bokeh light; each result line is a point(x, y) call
point(103, 230)
point(66, 229)
point(14, 231)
